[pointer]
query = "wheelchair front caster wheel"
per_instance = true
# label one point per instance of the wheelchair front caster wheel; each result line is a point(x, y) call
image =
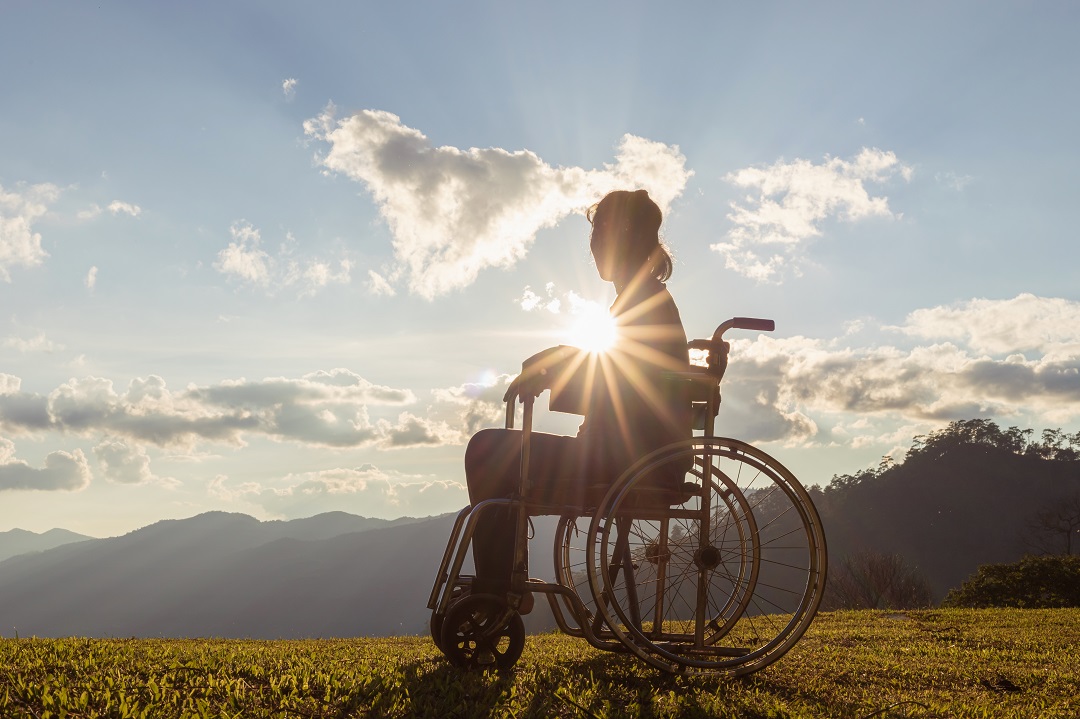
point(481, 632)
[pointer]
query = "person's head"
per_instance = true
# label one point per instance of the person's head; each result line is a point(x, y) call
point(625, 238)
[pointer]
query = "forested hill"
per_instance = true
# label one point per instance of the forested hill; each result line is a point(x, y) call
point(967, 495)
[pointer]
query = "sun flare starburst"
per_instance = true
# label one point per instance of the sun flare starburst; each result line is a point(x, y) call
point(593, 328)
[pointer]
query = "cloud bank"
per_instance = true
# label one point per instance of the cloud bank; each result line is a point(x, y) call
point(454, 213)
point(791, 202)
point(1025, 322)
point(998, 358)
point(328, 409)
point(62, 471)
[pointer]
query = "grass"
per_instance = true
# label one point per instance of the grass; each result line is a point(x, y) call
point(933, 663)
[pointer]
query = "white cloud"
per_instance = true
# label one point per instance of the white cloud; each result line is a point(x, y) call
point(218, 487)
point(94, 210)
point(244, 260)
point(62, 471)
point(530, 301)
point(379, 285)
point(19, 210)
point(1025, 322)
point(472, 406)
point(792, 201)
point(9, 384)
point(320, 409)
point(288, 88)
point(91, 278)
point(37, 343)
point(1007, 358)
point(365, 490)
point(454, 213)
point(117, 207)
point(412, 431)
point(126, 464)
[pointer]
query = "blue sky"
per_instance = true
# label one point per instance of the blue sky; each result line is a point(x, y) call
point(282, 258)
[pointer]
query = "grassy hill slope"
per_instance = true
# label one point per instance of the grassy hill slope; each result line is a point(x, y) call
point(935, 663)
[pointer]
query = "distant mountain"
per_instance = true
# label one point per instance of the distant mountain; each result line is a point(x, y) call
point(954, 503)
point(963, 497)
point(19, 541)
point(230, 575)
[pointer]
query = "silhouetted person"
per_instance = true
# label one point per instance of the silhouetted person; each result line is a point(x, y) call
point(630, 409)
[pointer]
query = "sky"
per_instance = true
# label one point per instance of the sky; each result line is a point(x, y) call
point(282, 258)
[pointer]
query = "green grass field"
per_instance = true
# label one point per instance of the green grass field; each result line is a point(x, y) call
point(934, 663)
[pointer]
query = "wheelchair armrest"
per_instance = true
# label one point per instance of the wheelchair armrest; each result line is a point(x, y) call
point(700, 382)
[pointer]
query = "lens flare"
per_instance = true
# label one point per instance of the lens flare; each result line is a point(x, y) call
point(593, 328)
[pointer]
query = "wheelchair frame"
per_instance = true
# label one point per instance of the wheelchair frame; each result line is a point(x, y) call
point(723, 575)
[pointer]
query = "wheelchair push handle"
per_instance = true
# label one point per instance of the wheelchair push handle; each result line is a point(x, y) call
point(717, 346)
point(744, 323)
point(718, 349)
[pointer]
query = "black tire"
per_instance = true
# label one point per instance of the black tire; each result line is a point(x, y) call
point(435, 624)
point(481, 632)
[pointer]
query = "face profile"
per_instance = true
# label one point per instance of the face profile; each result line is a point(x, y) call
point(602, 243)
point(625, 239)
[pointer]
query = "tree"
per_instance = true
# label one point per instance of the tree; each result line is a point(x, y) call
point(1055, 529)
point(972, 432)
point(871, 580)
point(1057, 445)
point(985, 434)
point(1032, 583)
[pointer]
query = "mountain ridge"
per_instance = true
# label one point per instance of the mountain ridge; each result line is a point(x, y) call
point(222, 574)
point(17, 541)
point(953, 503)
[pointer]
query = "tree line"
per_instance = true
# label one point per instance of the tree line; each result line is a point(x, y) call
point(909, 533)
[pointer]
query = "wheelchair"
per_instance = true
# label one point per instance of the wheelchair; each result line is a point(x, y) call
point(719, 573)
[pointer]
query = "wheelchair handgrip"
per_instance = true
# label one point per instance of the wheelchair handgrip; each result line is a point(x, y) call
point(753, 323)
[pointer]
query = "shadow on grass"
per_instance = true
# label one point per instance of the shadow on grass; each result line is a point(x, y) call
point(433, 687)
point(604, 685)
point(631, 688)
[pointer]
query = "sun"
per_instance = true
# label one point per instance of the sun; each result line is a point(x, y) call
point(593, 328)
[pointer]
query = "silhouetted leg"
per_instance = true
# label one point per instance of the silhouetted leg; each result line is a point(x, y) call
point(493, 470)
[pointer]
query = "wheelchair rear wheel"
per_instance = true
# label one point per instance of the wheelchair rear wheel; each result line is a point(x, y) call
point(724, 578)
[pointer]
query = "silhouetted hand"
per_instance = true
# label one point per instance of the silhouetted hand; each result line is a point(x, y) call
point(539, 371)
